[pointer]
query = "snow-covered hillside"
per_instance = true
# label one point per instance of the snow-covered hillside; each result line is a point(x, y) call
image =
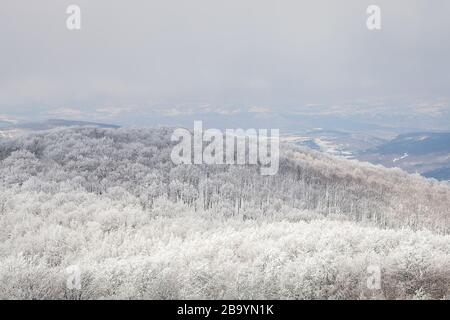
point(111, 203)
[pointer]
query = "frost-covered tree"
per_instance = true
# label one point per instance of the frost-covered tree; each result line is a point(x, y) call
point(112, 202)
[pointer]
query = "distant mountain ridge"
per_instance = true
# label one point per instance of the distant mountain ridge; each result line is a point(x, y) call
point(11, 130)
point(418, 143)
point(439, 174)
point(4, 123)
point(427, 153)
point(54, 123)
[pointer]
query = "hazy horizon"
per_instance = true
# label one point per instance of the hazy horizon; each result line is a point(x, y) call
point(140, 63)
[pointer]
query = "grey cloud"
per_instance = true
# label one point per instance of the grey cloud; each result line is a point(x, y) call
point(234, 53)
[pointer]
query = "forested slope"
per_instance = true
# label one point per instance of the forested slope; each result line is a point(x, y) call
point(112, 202)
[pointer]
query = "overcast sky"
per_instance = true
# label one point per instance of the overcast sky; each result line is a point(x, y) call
point(145, 56)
